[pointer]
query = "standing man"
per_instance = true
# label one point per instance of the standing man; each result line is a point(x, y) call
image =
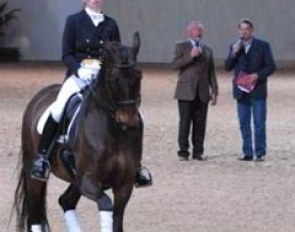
point(196, 86)
point(252, 57)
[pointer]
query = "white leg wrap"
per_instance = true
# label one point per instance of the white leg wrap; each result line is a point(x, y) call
point(106, 221)
point(36, 228)
point(72, 222)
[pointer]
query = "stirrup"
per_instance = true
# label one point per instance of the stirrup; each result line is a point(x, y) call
point(143, 178)
point(40, 169)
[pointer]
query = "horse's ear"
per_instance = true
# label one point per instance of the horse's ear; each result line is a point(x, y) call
point(136, 45)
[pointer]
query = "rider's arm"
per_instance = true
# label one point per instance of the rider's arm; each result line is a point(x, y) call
point(69, 46)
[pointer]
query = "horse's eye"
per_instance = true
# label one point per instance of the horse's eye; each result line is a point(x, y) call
point(115, 79)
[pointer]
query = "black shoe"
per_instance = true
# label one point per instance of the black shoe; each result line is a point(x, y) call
point(183, 158)
point(199, 157)
point(259, 158)
point(41, 169)
point(245, 158)
point(143, 178)
point(183, 155)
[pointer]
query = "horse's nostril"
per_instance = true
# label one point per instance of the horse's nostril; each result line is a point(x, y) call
point(130, 119)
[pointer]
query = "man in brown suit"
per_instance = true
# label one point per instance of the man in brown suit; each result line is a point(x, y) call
point(196, 86)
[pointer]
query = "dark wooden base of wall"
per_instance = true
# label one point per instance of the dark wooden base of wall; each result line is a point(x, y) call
point(9, 54)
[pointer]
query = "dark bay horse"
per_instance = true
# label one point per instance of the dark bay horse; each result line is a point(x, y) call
point(107, 151)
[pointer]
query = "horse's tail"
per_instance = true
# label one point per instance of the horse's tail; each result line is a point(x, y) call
point(21, 201)
point(29, 200)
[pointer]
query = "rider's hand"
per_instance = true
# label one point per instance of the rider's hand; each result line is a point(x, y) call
point(88, 71)
point(87, 74)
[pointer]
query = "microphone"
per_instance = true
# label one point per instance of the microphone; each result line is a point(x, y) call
point(198, 45)
point(239, 41)
point(237, 45)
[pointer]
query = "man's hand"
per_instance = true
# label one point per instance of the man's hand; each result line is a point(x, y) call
point(254, 77)
point(213, 99)
point(236, 47)
point(196, 51)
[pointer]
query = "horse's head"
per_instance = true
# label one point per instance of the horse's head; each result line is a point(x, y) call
point(122, 80)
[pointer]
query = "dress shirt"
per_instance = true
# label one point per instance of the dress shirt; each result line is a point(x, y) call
point(96, 18)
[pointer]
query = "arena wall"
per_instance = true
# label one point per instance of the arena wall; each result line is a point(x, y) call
point(161, 23)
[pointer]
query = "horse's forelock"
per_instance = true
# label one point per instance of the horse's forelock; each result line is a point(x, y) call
point(119, 53)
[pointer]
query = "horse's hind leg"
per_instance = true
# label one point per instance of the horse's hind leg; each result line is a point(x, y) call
point(36, 206)
point(68, 201)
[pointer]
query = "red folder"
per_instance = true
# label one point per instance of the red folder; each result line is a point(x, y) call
point(244, 82)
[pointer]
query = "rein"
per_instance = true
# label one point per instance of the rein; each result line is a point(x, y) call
point(112, 107)
point(121, 66)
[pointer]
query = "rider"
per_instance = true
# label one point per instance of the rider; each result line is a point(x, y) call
point(83, 36)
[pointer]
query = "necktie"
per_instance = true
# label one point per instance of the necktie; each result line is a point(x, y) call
point(97, 18)
point(197, 43)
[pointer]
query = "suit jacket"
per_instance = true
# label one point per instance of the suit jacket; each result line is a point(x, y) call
point(196, 75)
point(82, 39)
point(259, 59)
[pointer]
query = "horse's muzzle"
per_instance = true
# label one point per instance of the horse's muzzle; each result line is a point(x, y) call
point(128, 118)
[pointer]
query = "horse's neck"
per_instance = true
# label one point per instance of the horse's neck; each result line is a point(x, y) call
point(100, 105)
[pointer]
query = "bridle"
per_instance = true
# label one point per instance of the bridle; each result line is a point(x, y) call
point(111, 106)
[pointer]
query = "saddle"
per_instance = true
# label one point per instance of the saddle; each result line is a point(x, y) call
point(68, 128)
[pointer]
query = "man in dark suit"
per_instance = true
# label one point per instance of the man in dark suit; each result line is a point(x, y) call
point(196, 86)
point(254, 57)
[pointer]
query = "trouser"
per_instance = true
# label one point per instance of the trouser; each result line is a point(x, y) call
point(248, 107)
point(72, 85)
point(192, 113)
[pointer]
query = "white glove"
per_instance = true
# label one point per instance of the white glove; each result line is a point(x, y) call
point(88, 72)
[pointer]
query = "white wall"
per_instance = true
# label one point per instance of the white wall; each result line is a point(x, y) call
point(42, 22)
point(161, 23)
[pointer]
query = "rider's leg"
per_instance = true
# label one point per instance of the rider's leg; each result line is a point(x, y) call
point(143, 176)
point(41, 166)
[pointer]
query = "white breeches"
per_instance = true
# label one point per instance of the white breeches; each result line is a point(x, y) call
point(72, 85)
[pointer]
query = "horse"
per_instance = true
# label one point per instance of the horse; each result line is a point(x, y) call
point(108, 147)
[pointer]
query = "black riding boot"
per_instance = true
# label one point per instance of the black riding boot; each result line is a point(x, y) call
point(143, 177)
point(41, 166)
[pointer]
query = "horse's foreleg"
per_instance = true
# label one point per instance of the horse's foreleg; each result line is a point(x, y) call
point(121, 197)
point(68, 201)
point(105, 207)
